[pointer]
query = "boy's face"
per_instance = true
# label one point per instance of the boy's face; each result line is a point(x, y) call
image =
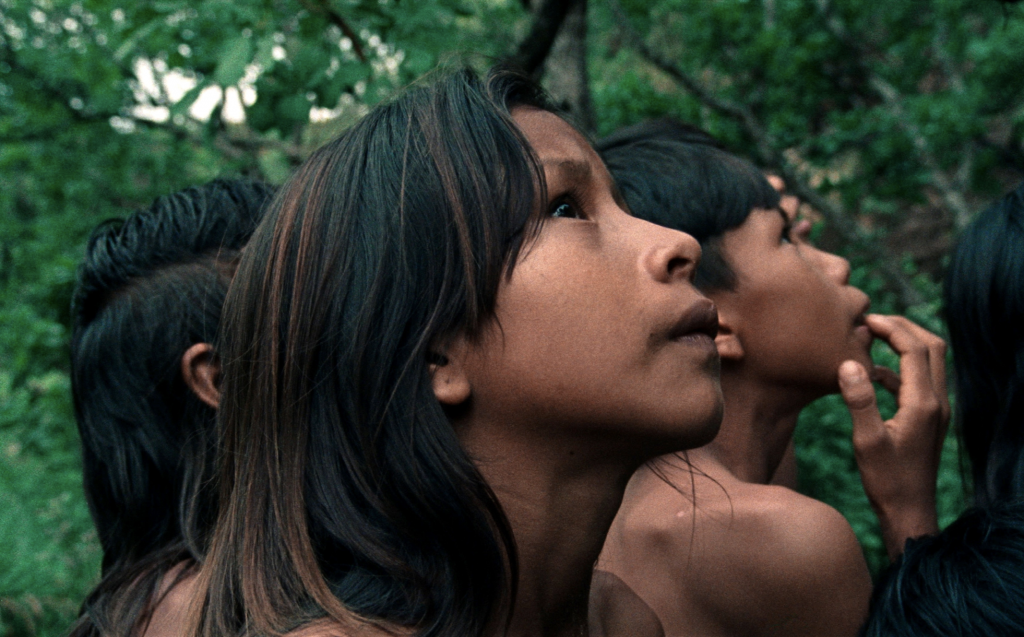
point(793, 310)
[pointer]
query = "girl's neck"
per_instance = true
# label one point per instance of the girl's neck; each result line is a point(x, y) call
point(560, 505)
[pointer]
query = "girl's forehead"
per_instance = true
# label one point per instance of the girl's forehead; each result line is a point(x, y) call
point(550, 136)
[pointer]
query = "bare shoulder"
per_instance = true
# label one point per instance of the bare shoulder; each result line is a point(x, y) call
point(789, 561)
point(760, 530)
point(720, 556)
point(804, 535)
point(173, 600)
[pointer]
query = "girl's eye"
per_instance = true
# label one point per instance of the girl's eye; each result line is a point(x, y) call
point(566, 210)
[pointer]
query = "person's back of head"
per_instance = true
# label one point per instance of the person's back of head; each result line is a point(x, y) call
point(678, 176)
point(984, 305)
point(150, 287)
point(966, 581)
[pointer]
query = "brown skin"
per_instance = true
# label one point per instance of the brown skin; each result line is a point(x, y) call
point(171, 611)
point(616, 610)
point(549, 394)
point(758, 559)
point(600, 357)
point(899, 458)
point(200, 369)
point(786, 473)
point(582, 376)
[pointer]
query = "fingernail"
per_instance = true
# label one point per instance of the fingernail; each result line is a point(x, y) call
point(852, 372)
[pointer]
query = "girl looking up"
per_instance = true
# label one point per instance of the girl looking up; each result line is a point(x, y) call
point(446, 349)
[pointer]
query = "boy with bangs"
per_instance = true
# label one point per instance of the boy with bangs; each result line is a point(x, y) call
point(704, 539)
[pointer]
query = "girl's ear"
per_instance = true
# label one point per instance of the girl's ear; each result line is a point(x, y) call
point(448, 372)
point(730, 347)
point(200, 368)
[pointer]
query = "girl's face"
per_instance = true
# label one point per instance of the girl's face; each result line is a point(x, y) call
point(599, 332)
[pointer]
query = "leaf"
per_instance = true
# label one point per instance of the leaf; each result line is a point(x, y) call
point(265, 53)
point(181, 106)
point(293, 110)
point(139, 35)
point(234, 57)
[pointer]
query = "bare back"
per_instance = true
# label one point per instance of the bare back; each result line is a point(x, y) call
point(749, 559)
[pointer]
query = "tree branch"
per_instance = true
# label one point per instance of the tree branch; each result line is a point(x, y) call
point(773, 158)
point(950, 193)
point(337, 20)
point(536, 46)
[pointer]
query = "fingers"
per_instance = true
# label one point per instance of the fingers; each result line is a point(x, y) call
point(888, 379)
point(899, 458)
point(859, 396)
point(937, 362)
point(922, 362)
point(788, 204)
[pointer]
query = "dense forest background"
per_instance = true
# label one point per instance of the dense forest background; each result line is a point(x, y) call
point(895, 122)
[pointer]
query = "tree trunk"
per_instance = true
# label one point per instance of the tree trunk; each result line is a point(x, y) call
point(565, 70)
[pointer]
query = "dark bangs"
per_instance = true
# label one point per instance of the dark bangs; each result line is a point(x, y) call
point(673, 176)
point(461, 158)
point(696, 188)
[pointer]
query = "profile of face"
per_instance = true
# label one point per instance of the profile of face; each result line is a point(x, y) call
point(599, 331)
point(793, 317)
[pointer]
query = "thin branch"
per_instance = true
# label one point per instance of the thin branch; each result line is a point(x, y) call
point(692, 85)
point(950, 193)
point(337, 20)
point(955, 77)
point(772, 157)
point(535, 47)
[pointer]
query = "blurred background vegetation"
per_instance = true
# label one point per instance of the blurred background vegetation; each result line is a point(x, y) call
point(894, 122)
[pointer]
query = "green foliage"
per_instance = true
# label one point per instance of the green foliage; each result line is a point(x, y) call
point(815, 75)
point(84, 136)
point(75, 148)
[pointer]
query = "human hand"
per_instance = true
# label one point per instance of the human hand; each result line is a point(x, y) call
point(899, 458)
point(788, 203)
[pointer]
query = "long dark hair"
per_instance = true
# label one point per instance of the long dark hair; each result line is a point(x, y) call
point(966, 581)
point(150, 286)
point(984, 304)
point(344, 487)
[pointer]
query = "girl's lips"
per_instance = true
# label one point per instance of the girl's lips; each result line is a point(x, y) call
point(698, 339)
point(700, 319)
point(863, 332)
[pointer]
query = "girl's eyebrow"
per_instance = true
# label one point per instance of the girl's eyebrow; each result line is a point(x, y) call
point(572, 169)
